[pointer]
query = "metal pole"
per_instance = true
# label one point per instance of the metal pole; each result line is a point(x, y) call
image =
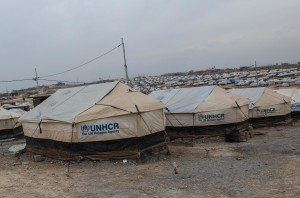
point(7, 94)
point(36, 79)
point(256, 75)
point(125, 65)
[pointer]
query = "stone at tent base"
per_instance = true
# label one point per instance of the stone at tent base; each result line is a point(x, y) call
point(17, 149)
point(38, 158)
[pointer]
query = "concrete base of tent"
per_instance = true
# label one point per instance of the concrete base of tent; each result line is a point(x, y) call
point(129, 148)
point(271, 121)
point(204, 131)
point(11, 133)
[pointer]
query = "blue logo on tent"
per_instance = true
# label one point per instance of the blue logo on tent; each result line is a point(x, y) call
point(296, 107)
point(85, 128)
point(100, 129)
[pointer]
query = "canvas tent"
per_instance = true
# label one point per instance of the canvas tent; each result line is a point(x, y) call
point(294, 94)
point(18, 111)
point(266, 107)
point(207, 110)
point(9, 124)
point(103, 121)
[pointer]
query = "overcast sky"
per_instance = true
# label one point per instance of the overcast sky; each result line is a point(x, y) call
point(160, 36)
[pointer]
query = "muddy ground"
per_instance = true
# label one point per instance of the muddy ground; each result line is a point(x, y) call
point(266, 166)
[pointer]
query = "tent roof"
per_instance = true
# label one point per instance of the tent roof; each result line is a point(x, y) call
point(196, 99)
point(293, 93)
point(261, 96)
point(78, 103)
point(18, 111)
point(5, 114)
point(183, 99)
point(254, 94)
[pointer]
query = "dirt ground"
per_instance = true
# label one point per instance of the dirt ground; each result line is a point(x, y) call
point(266, 166)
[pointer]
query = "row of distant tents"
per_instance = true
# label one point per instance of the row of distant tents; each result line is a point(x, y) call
point(112, 121)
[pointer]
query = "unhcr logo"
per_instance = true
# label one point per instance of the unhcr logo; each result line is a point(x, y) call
point(265, 111)
point(296, 107)
point(211, 117)
point(85, 128)
point(99, 129)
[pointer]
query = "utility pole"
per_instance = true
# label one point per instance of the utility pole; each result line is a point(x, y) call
point(7, 94)
point(256, 74)
point(36, 80)
point(125, 65)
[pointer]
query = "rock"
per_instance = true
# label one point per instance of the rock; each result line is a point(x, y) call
point(17, 149)
point(38, 158)
point(79, 159)
point(175, 168)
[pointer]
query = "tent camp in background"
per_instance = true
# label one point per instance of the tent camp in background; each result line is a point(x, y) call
point(9, 124)
point(100, 121)
point(23, 106)
point(267, 108)
point(207, 110)
point(294, 94)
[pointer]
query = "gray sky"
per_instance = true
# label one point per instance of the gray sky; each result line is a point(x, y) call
point(161, 36)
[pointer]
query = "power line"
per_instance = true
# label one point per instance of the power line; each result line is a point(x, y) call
point(61, 81)
point(83, 63)
point(19, 80)
point(36, 78)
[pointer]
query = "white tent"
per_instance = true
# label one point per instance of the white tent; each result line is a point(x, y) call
point(294, 94)
point(109, 120)
point(9, 124)
point(18, 111)
point(202, 110)
point(266, 107)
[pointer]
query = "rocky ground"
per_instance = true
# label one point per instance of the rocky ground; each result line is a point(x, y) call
point(266, 166)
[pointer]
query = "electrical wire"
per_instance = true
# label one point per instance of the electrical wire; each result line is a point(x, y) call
point(55, 74)
point(64, 81)
point(20, 80)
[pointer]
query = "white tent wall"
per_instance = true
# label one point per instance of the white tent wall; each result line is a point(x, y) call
point(151, 122)
point(128, 126)
point(9, 124)
point(179, 119)
point(120, 127)
point(221, 117)
point(52, 130)
point(208, 118)
point(294, 94)
point(270, 110)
